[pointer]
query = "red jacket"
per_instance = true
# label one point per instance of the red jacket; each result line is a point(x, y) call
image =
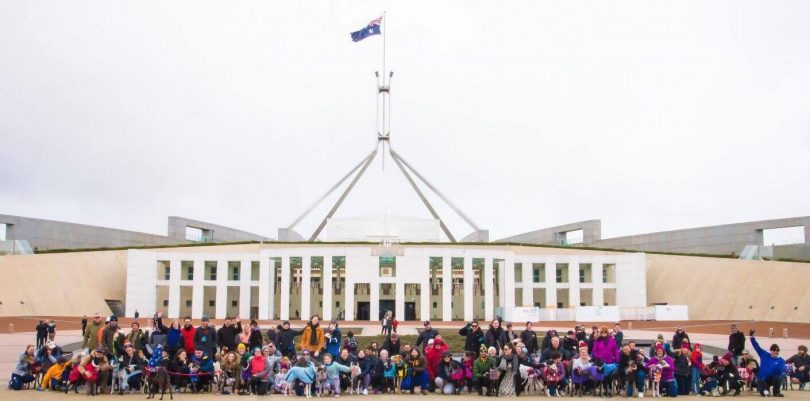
point(188, 338)
point(433, 356)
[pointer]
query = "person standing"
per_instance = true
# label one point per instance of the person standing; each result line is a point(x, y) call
point(495, 336)
point(426, 335)
point(312, 338)
point(84, 324)
point(188, 332)
point(529, 339)
point(226, 336)
point(205, 338)
point(736, 343)
point(474, 336)
point(91, 333)
point(618, 335)
point(771, 369)
point(285, 339)
point(510, 335)
point(137, 314)
point(42, 333)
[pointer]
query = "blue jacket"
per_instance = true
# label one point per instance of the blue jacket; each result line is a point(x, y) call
point(768, 366)
point(333, 345)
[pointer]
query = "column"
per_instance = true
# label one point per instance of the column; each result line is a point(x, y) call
point(573, 283)
point(326, 275)
point(284, 305)
point(349, 298)
point(245, 272)
point(174, 289)
point(221, 303)
point(489, 289)
point(374, 299)
point(468, 288)
point(424, 299)
point(598, 285)
point(502, 283)
point(197, 290)
point(306, 286)
point(528, 283)
point(399, 299)
point(508, 268)
point(272, 292)
point(264, 286)
point(447, 288)
point(551, 283)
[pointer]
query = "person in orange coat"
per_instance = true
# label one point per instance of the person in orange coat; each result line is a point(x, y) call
point(312, 338)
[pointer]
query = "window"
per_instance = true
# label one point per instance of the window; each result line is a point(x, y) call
point(234, 303)
point(187, 270)
point(518, 272)
point(188, 303)
point(585, 272)
point(3, 232)
point(163, 270)
point(783, 236)
point(234, 268)
point(165, 302)
point(196, 234)
point(254, 270)
point(538, 272)
point(337, 304)
point(435, 305)
point(562, 273)
point(212, 273)
point(320, 304)
point(211, 303)
point(559, 305)
point(190, 273)
point(388, 266)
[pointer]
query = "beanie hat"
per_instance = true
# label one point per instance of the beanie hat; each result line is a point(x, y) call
point(774, 347)
point(697, 345)
point(660, 336)
point(583, 344)
point(728, 356)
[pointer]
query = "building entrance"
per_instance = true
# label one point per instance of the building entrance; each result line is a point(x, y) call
point(363, 310)
point(386, 305)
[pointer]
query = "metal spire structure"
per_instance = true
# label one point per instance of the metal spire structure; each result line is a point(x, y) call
point(383, 126)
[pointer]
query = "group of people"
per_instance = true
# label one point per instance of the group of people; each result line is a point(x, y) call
point(243, 359)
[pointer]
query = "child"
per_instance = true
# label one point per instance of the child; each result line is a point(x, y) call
point(333, 371)
point(280, 380)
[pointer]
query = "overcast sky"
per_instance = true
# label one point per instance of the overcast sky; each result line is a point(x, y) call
point(648, 115)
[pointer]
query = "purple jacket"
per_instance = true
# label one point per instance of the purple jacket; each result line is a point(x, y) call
point(605, 349)
point(667, 371)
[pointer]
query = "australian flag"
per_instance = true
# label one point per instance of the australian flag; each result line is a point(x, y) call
point(373, 28)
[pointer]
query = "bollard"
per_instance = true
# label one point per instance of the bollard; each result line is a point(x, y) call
point(770, 332)
point(785, 332)
point(11, 328)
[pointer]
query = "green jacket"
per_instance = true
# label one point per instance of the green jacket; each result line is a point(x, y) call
point(481, 368)
point(91, 335)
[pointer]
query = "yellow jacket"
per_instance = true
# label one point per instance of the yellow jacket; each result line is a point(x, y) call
point(307, 334)
point(54, 372)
